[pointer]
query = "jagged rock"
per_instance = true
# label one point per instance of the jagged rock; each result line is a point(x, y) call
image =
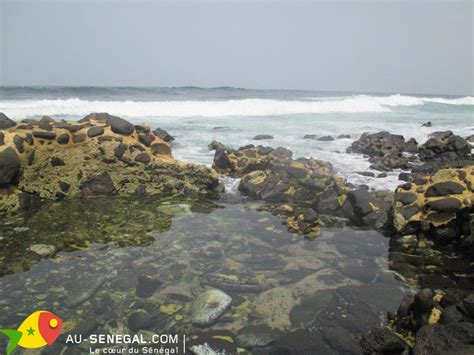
point(377, 144)
point(382, 341)
point(444, 142)
point(6, 122)
point(9, 166)
point(391, 160)
point(209, 306)
point(445, 339)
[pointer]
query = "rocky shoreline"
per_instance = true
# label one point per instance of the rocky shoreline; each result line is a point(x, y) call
point(429, 218)
point(99, 155)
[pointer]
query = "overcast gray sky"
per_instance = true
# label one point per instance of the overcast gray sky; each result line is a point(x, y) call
point(378, 46)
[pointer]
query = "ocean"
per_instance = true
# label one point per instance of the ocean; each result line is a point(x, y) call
point(196, 116)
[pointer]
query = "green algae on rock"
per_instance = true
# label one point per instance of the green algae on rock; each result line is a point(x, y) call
point(100, 155)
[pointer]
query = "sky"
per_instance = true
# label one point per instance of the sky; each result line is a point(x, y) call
point(413, 46)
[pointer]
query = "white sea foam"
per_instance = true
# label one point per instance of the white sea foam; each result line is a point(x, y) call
point(18, 109)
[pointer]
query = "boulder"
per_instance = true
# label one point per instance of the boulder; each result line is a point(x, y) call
point(163, 135)
point(382, 341)
point(6, 122)
point(98, 185)
point(377, 144)
point(209, 306)
point(9, 166)
point(444, 188)
point(95, 131)
point(326, 139)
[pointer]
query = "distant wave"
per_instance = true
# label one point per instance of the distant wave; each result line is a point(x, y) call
point(215, 108)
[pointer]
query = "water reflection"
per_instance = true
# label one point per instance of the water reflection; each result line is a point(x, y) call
point(284, 289)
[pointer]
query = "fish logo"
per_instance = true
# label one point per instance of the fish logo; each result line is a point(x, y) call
point(39, 329)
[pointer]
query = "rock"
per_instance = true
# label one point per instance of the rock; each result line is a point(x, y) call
point(424, 301)
point(470, 139)
point(146, 286)
point(326, 139)
point(44, 135)
point(120, 126)
point(120, 150)
point(2, 138)
point(143, 158)
point(209, 306)
point(366, 173)
point(255, 336)
point(426, 124)
point(45, 123)
point(381, 175)
point(9, 166)
point(442, 143)
point(98, 185)
point(449, 204)
point(63, 138)
point(212, 342)
point(310, 136)
point(262, 137)
point(405, 198)
point(468, 304)
point(215, 145)
point(377, 144)
point(405, 177)
point(382, 341)
point(444, 188)
point(343, 136)
point(95, 131)
point(6, 122)
point(450, 315)
point(142, 128)
point(163, 135)
point(160, 149)
point(18, 142)
point(139, 320)
point(42, 249)
point(390, 161)
point(445, 339)
point(146, 139)
point(56, 161)
point(79, 138)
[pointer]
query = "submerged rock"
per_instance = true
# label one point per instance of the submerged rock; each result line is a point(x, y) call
point(209, 306)
point(42, 249)
point(255, 336)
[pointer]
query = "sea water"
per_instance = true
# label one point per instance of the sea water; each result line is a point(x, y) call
point(233, 116)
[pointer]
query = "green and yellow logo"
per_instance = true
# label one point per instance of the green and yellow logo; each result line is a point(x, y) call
point(39, 329)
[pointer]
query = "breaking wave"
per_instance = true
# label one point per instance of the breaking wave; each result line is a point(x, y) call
point(18, 109)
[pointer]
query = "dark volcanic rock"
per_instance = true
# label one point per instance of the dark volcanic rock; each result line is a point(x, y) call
point(95, 131)
point(63, 138)
point(56, 161)
point(44, 135)
point(2, 138)
point(97, 186)
point(9, 166)
point(310, 136)
point(117, 125)
point(377, 144)
point(139, 320)
point(444, 188)
point(143, 158)
point(456, 338)
point(262, 137)
point(18, 141)
point(79, 138)
point(382, 341)
point(146, 139)
point(120, 149)
point(449, 204)
point(326, 139)
point(146, 286)
point(6, 122)
point(163, 135)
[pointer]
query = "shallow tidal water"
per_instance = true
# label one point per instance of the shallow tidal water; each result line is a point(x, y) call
point(330, 290)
